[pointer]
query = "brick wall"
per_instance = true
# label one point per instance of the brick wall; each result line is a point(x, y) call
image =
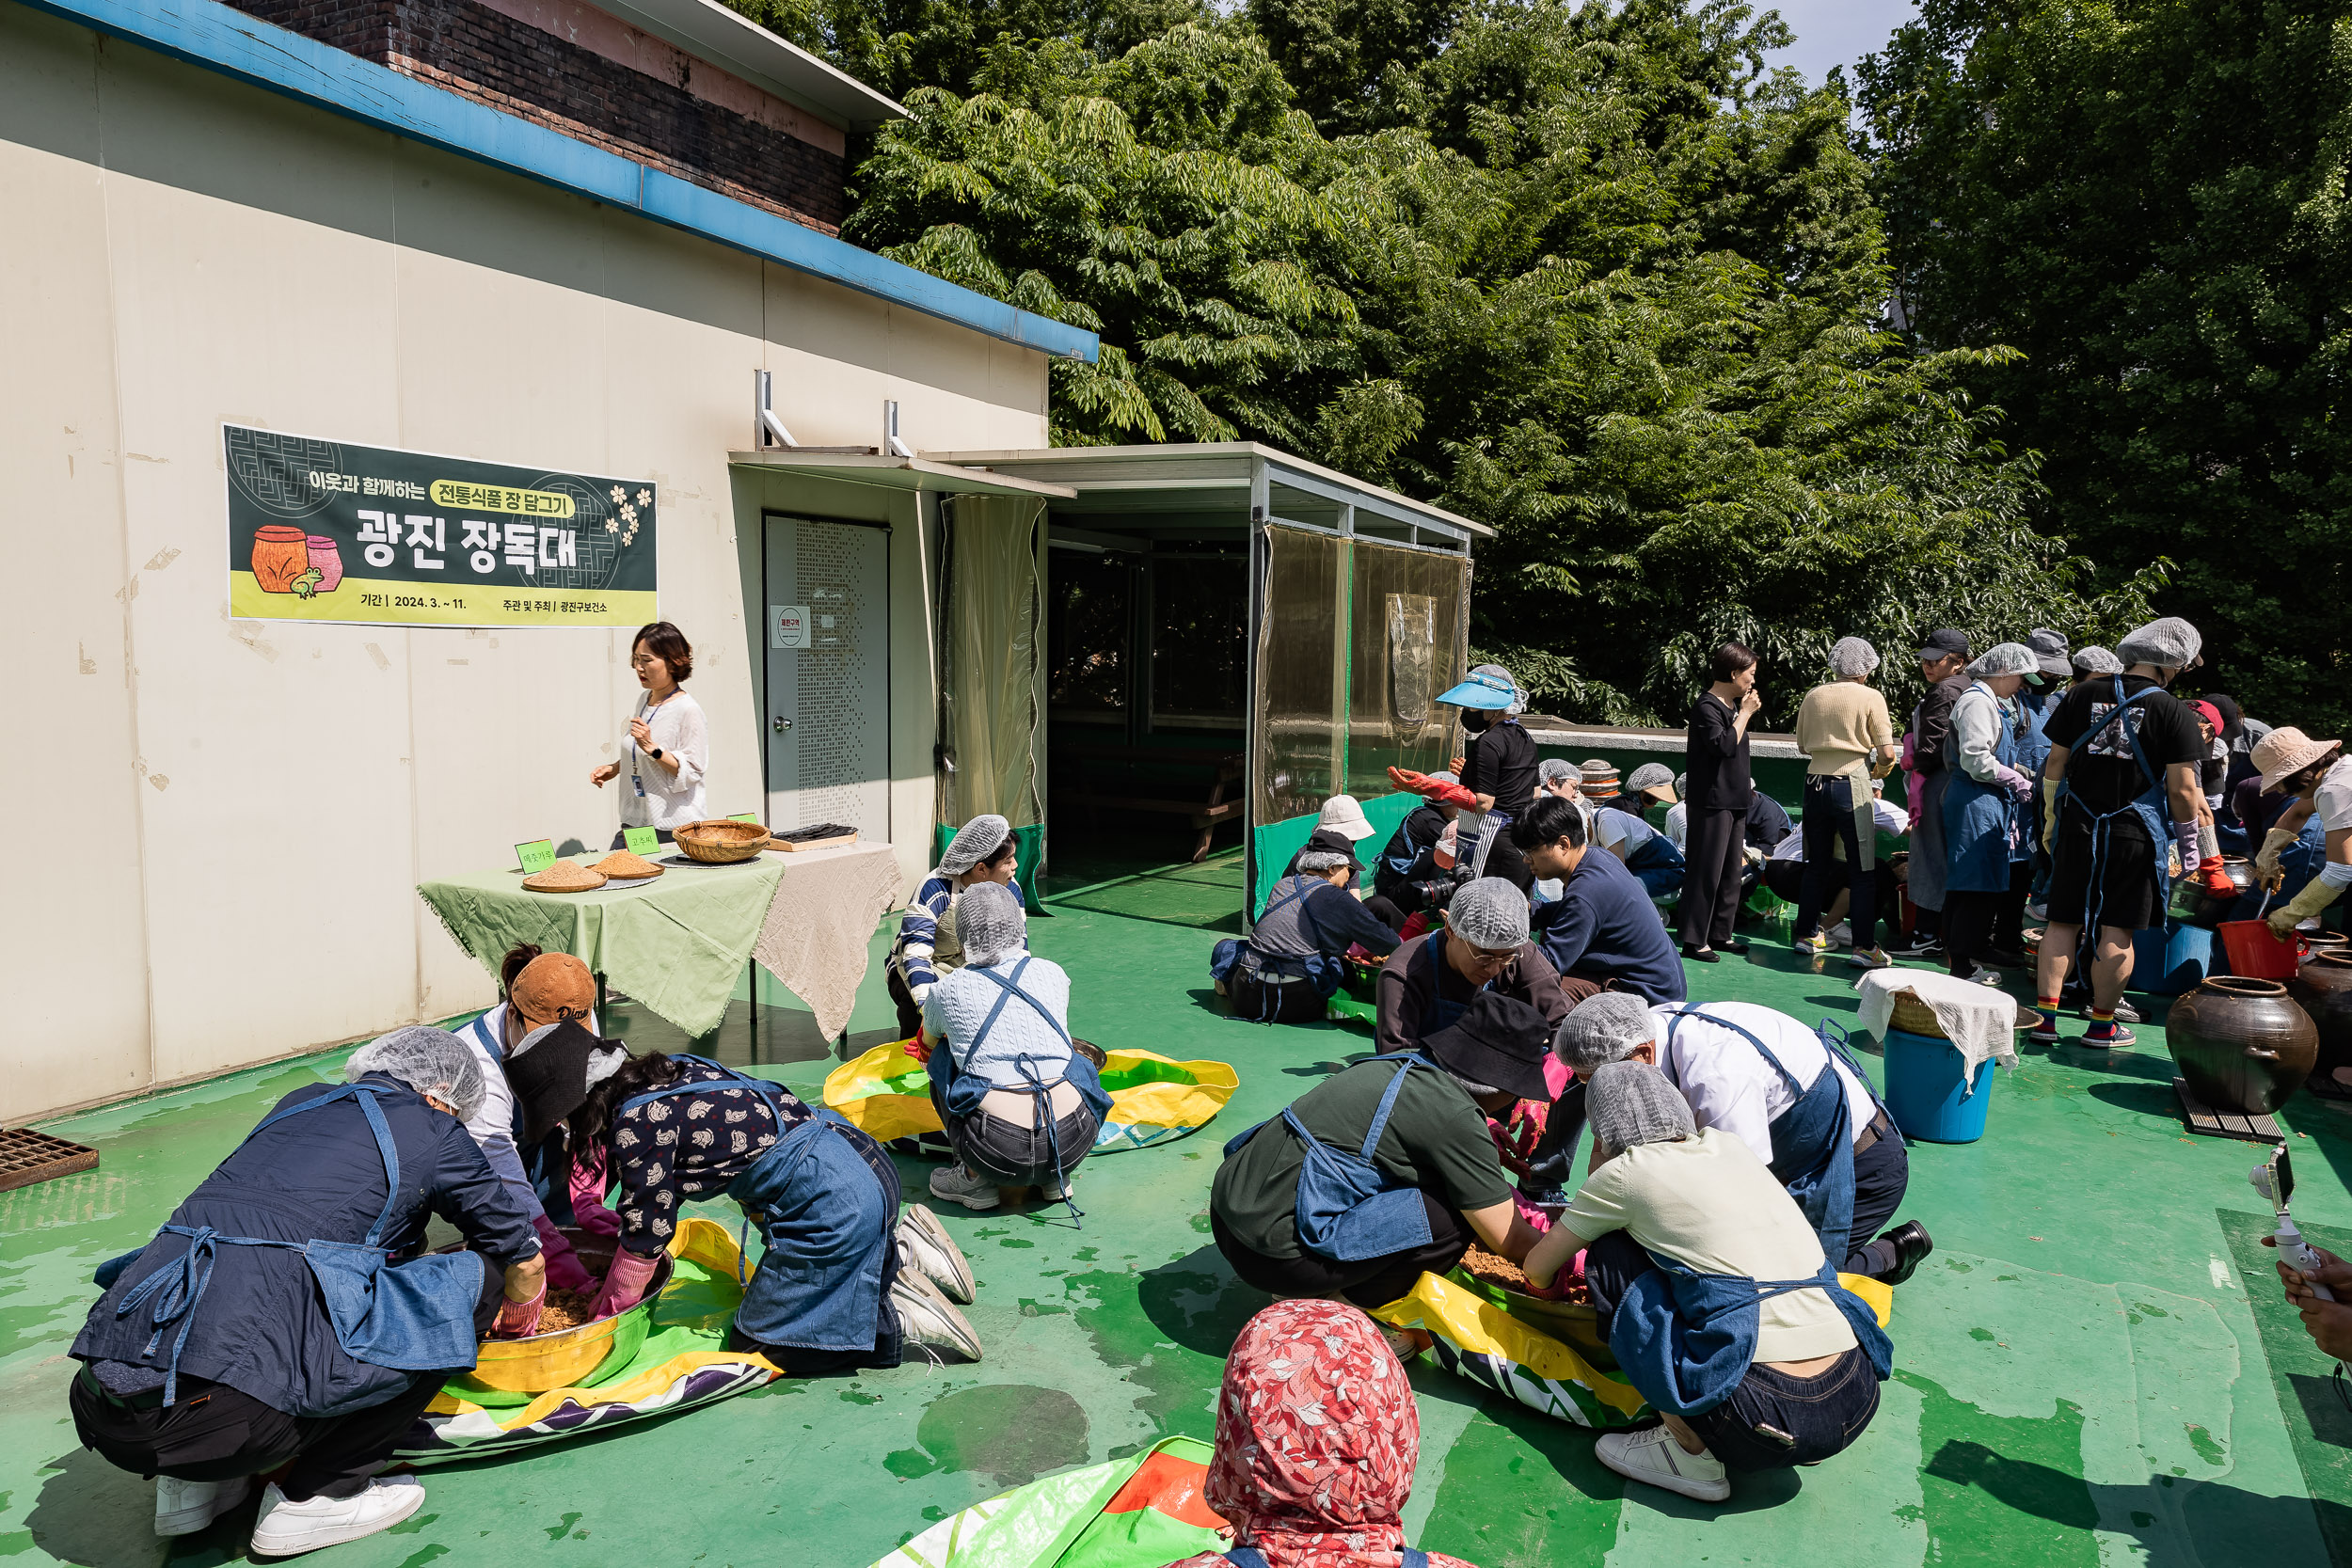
point(519, 70)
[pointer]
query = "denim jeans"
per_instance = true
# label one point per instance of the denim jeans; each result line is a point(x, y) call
point(1012, 1154)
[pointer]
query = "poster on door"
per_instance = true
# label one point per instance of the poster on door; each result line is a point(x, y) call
point(329, 531)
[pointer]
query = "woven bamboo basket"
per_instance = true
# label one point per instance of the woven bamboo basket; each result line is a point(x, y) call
point(1915, 1017)
point(721, 839)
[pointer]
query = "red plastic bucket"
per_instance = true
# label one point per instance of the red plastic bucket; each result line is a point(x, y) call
point(2255, 954)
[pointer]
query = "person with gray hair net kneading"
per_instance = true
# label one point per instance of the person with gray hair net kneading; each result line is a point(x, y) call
point(1291, 964)
point(1021, 1103)
point(213, 1359)
point(1848, 737)
point(1792, 1096)
point(1718, 1303)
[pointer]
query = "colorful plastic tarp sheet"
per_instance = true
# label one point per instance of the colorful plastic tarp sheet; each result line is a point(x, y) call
point(1140, 1512)
point(1153, 1097)
point(683, 1362)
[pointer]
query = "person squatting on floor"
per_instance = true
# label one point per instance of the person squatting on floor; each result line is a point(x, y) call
point(1290, 965)
point(1720, 1306)
point(1602, 931)
point(928, 944)
point(1020, 1103)
point(1317, 1434)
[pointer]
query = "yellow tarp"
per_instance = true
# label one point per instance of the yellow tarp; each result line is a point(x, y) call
point(886, 1093)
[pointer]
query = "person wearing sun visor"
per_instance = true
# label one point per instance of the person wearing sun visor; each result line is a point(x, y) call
point(1499, 772)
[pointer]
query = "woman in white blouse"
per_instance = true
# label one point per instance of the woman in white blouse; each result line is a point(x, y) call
point(669, 740)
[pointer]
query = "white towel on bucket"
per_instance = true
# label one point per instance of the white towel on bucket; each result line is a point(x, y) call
point(1980, 1021)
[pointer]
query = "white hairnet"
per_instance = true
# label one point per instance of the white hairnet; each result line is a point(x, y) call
point(430, 1061)
point(1490, 913)
point(2005, 658)
point(2095, 661)
point(1442, 777)
point(1603, 1029)
point(974, 843)
point(1321, 862)
point(1850, 657)
point(1519, 692)
point(1650, 775)
point(2171, 643)
point(1630, 1103)
point(989, 923)
point(1553, 770)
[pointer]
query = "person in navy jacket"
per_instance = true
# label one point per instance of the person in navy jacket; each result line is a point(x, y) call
point(1603, 926)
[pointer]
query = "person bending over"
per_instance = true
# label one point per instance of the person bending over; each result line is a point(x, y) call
point(1407, 878)
point(1603, 930)
point(928, 947)
point(1719, 1304)
point(1623, 829)
point(1431, 979)
point(1290, 965)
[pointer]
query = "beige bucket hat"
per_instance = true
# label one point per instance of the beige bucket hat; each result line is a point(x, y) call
point(2286, 751)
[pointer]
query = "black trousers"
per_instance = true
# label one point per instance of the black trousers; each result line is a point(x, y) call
point(1552, 1162)
point(1711, 867)
point(214, 1433)
point(1881, 1173)
point(1828, 825)
point(1371, 1282)
point(909, 1010)
point(1250, 998)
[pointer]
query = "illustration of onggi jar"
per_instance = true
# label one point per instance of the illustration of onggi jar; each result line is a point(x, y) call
point(328, 560)
point(281, 554)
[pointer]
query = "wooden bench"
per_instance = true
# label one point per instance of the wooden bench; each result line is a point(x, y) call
point(1227, 771)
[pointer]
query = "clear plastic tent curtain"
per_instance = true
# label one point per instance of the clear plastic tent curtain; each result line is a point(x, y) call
point(993, 631)
point(1298, 730)
point(1406, 643)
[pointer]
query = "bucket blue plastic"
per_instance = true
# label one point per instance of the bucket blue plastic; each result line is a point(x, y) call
point(2167, 963)
point(1927, 1093)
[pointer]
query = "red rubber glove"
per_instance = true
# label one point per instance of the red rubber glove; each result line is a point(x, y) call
point(1423, 784)
point(2215, 876)
point(519, 1320)
point(565, 1272)
point(625, 1284)
point(919, 1048)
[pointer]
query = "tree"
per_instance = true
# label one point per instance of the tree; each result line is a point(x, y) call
point(2147, 200)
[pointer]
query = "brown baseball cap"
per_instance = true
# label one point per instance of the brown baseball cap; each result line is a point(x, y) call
point(552, 987)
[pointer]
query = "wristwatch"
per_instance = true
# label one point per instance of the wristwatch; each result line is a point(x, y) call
point(655, 754)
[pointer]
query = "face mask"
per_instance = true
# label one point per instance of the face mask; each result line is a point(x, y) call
point(1476, 719)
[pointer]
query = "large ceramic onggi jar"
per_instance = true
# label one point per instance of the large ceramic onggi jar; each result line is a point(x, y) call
point(280, 554)
point(2323, 991)
point(2242, 1045)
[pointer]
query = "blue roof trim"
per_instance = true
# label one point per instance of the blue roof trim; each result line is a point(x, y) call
point(214, 36)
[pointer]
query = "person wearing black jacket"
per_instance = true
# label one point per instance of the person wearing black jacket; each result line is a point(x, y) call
point(1405, 877)
point(1720, 790)
point(1942, 661)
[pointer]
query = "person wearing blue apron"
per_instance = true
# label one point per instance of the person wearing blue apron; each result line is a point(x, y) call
point(283, 1316)
point(1720, 1306)
point(1650, 855)
point(829, 1293)
point(1292, 962)
point(2053, 661)
point(2123, 793)
point(1019, 1099)
point(1793, 1095)
point(1384, 1170)
point(1984, 806)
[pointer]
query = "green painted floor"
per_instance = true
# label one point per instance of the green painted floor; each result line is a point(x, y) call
point(2095, 1367)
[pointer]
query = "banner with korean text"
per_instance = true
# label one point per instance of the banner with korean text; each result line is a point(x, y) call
point(326, 530)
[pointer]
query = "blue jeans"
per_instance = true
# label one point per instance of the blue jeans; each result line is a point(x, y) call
point(1828, 824)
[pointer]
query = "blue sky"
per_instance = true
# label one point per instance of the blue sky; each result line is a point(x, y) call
point(1834, 32)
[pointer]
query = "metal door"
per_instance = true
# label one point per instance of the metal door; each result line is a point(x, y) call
point(828, 638)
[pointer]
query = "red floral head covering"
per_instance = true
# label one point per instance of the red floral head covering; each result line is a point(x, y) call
point(1316, 1436)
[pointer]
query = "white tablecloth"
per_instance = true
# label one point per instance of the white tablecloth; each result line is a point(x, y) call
point(820, 921)
point(1981, 1021)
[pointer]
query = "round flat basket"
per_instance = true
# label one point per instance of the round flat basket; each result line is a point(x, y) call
point(1915, 1017)
point(565, 877)
point(720, 840)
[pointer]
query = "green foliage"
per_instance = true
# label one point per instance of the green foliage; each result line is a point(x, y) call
point(2148, 200)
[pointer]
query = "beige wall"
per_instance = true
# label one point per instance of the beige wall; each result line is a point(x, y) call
point(221, 823)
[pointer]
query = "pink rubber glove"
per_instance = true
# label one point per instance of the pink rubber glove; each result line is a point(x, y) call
point(624, 1286)
point(1558, 1289)
point(565, 1272)
point(587, 1189)
point(1537, 1219)
point(519, 1320)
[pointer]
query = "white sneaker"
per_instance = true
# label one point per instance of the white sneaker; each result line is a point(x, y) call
point(1655, 1458)
point(185, 1507)
point(959, 1183)
point(1870, 958)
point(1840, 935)
point(1058, 1190)
point(928, 1319)
point(288, 1528)
point(1812, 947)
point(926, 1248)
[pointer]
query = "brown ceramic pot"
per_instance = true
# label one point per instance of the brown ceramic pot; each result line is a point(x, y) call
point(2243, 1045)
point(2323, 991)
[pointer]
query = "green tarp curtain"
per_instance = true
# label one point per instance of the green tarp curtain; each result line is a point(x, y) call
point(1271, 847)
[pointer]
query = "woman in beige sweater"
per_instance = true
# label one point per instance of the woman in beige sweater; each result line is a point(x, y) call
point(1847, 739)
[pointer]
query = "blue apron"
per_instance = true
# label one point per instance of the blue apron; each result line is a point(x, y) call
point(1812, 1153)
point(1658, 866)
point(1323, 968)
point(826, 1217)
point(1442, 1014)
point(411, 1317)
point(1983, 823)
point(1685, 1339)
point(1347, 1208)
point(2148, 806)
point(1089, 1086)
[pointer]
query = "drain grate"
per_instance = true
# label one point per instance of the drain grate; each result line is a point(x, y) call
point(27, 1157)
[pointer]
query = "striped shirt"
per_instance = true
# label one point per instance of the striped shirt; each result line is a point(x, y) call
point(926, 944)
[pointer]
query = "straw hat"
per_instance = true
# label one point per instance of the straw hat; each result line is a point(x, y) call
point(2287, 751)
point(1598, 779)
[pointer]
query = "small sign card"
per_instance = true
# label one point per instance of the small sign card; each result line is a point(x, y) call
point(642, 840)
point(535, 856)
point(744, 817)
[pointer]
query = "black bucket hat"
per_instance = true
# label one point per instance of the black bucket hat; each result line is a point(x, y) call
point(550, 1080)
point(1500, 1041)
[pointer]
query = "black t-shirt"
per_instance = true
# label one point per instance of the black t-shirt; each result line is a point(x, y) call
point(1720, 779)
point(2102, 774)
point(1502, 763)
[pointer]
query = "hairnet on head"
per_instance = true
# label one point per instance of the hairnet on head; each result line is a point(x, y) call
point(1490, 913)
point(1603, 1029)
point(1850, 657)
point(1682, 785)
point(2171, 643)
point(1519, 692)
point(2006, 658)
point(1630, 1103)
point(989, 923)
point(430, 1061)
point(1649, 776)
point(1552, 771)
point(1321, 862)
point(2095, 661)
point(1442, 777)
point(974, 843)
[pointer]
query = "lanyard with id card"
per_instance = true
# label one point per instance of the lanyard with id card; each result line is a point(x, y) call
point(636, 756)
